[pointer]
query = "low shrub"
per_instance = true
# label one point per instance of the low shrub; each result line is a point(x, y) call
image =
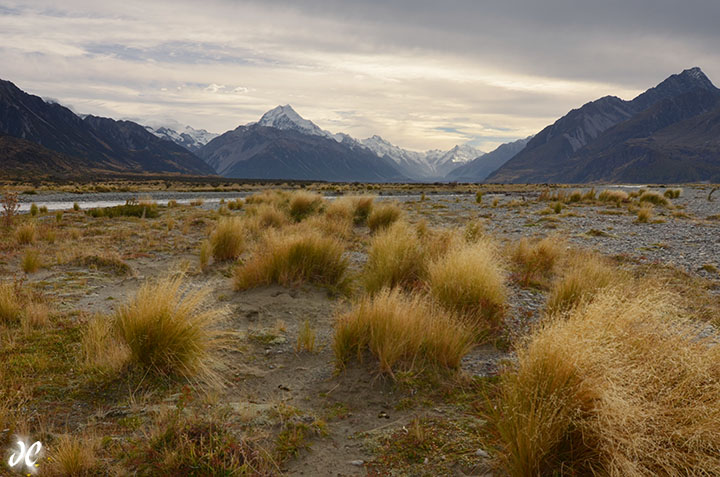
point(403, 332)
point(34, 209)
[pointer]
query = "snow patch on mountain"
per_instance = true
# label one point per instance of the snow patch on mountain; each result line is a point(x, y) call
point(185, 136)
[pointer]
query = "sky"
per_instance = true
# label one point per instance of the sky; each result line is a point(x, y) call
point(422, 74)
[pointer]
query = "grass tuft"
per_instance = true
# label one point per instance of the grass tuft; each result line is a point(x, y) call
point(586, 274)
point(26, 233)
point(31, 261)
point(469, 282)
point(396, 258)
point(11, 305)
point(301, 257)
point(383, 215)
point(73, 456)
point(228, 239)
point(304, 204)
point(535, 262)
point(622, 386)
point(654, 198)
point(403, 332)
point(168, 329)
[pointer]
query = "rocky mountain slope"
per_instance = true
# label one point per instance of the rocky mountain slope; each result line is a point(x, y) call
point(615, 140)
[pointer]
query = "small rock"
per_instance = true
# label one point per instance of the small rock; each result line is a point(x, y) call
point(358, 463)
point(482, 453)
point(426, 461)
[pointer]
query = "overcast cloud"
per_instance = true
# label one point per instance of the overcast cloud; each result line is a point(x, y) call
point(423, 74)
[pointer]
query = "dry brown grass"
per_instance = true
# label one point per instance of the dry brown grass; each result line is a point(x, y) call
point(304, 204)
point(31, 261)
point(26, 233)
point(264, 216)
point(584, 276)
point(469, 281)
point(101, 348)
point(654, 198)
point(383, 215)
point(644, 214)
point(396, 258)
point(228, 239)
point(74, 456)
point(535, 262)
point(623, 386)
point(306, 338)
point(36, 315)
point(11, 305)
point(616, 196)
point(169, 329)
point(291, 258)
point(402, 332)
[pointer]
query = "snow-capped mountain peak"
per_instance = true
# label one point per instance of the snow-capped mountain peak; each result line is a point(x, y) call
point(185, 136)
point(285, 117)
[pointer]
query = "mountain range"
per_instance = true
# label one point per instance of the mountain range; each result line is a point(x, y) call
point(669, 133)
point(666, 134)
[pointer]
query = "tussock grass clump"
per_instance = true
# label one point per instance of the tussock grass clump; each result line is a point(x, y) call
point(355, 209)
point(105, 261)
point(616, 196)
point(586, 275)
point(383, 215)
point(535, 262)
point(130, 209)
point(469, 281)
point(228, 239)
point(196, 445)
point(304, 204)
point(402, 332)
point(263, 216)
point(34, 210)
point(101, 348)
point(672, 193)
point(168, 329)
point(36, 315)
point(74, 456)
point(204, 255)
point(31, 261)
point(644, 214)
point(306, 338)
point(11, 305)
point(622, 386)
point(654, 198)
point(294, 258)
point(396, 259)
point(26, 233)
point(329, 226)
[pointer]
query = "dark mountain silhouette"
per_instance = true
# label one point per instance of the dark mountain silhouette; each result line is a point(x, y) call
point(117, 146)
point(601, 140)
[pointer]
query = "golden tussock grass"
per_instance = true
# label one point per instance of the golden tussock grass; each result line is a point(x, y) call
point(31, 262)
point(623, 386)
point(26, 233)
point(304, 204)
point(354, 209)
point(169, 329)
point(396, 258)
point(672, 193)
point(469, 281)
point(290, 258)
point(101, 348)
point(36, 315)
point(11, 305)
point(383, 215)
point(204, 255)
point(535, 262)
point(74, 456)
point(228, 239)
point(306, 338)
point(584, 276)
point(617, 196)
point(644, 214)
point(263, 216)
point(403, 332)
point(329, 226)
point(654, 198)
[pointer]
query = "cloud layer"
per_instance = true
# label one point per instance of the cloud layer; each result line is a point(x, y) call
point(422, 74)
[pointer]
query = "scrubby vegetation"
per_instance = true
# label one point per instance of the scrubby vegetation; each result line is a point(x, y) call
point(444, 335)
point(403, 332)
point(302, 257)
